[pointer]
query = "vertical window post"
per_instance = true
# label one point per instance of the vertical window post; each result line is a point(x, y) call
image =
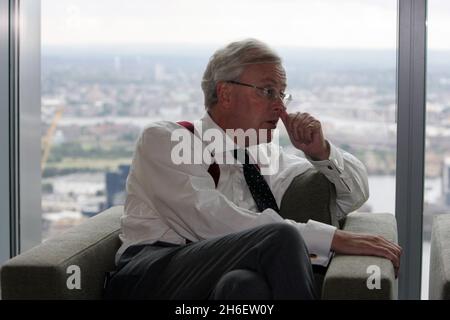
point(5, 235)
point(411, 64)
point(20, 96)
point(29, 124)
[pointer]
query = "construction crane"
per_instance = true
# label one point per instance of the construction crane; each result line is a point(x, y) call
point(47, 141)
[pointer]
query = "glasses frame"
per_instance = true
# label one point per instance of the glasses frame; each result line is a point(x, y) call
point(286, 98)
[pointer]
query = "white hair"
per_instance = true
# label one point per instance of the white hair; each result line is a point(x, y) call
point(228, 63)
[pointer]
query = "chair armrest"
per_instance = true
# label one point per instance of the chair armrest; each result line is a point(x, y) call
point(347, 275)
point(439, 287)
point(42, 272)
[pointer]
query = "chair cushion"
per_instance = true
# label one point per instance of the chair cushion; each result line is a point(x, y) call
point(310, 196)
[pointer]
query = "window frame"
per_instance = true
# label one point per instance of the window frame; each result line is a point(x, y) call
point(29, 126)
point(20, 183)
point(5, 210)
point(411, 95)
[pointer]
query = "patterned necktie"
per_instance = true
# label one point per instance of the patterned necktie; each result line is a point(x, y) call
point(258, 186)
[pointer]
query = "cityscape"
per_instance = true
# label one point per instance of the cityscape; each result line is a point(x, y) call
point(94, 105)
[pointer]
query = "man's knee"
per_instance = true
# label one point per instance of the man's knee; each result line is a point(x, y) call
point(241, 284)
point(284, 239)
point(285, 233)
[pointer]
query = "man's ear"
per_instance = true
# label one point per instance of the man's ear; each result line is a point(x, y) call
point(223, 94)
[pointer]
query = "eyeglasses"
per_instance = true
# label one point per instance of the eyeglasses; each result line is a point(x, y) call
point(269, 93)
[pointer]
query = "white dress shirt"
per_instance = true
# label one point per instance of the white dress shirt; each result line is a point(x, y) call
point(174, 202)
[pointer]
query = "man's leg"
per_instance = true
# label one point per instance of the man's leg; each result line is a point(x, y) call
point(241, 284)
point(276, 252)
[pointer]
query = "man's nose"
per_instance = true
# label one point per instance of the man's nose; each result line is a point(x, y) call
point(278, 104)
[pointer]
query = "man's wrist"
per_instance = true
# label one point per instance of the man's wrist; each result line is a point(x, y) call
point(325, 155)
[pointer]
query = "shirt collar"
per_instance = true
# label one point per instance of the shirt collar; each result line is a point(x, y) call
point(228, 144)
point(207, 123)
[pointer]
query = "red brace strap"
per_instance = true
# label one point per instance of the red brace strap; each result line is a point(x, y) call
point(213, 169)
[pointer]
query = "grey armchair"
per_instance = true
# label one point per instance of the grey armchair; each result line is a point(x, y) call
point(439, 285)
point(44, 272)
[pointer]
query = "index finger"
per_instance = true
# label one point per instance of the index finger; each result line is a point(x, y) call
point(284, 117)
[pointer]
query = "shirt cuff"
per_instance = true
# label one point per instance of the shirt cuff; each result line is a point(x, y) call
point(334, 161)
point(318, 237)
point(333, 168)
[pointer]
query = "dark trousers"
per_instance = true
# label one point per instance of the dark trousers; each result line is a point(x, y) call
point(266, 262)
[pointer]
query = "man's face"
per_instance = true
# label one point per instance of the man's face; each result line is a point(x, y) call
point(251, 109)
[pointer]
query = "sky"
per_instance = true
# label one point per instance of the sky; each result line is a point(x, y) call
point(361, 24)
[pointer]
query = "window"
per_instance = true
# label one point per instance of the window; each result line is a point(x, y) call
point(96, 55)
point(437, 154)
point(106, 74)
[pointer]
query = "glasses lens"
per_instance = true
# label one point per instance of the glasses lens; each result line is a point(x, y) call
point(287, 99)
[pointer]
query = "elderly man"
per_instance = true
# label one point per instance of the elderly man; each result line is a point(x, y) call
point(211, 229)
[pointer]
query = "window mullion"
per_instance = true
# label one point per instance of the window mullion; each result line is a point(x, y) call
point(411, 65)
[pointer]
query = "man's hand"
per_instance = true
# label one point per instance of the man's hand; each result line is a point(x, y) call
point(363, 244)
point(306, 134)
